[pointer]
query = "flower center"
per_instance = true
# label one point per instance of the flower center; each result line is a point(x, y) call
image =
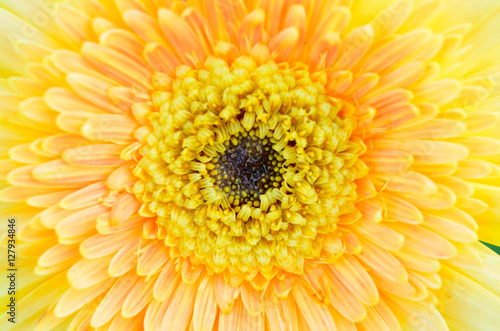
point(247, 168)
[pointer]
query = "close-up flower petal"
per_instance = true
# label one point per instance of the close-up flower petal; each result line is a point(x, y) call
point(250, 165)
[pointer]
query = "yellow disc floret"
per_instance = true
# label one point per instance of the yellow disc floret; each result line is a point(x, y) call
point(247, 167)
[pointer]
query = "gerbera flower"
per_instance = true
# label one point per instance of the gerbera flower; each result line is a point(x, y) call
point(252, 165)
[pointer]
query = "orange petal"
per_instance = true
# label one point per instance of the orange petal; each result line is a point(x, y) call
point(401, 210)
point(433, 129)
point(383, 263)
point(63, 173)
point(380, 317)
point(74, 299)
point(154, 314)
point(144, 25)
point(231, 319)
point(205, 307)
point(94, 90)
point(110, 128)
point(121, 178)
point(113, 301)
point(86, 273)
point(317, 316)
point(408, 182)
point(101, 245)
point(125, 259)
point(64, 100)
point(379, 234)
point(225, 295)
point(425, 242)
point(160, 58)
point(350, 272)
point(95, 155)
point(442, 199)
point(85, 197)
point(48, 200)
point(126, 206)
point(180, 36)
point(152, 260)
point(138, 297)
point(343, 300)
point(167, 282)
point(56, 145)
point(417, 261)
point(113, 64)
point(80, 222)
point(251, 299)
point(182, 300)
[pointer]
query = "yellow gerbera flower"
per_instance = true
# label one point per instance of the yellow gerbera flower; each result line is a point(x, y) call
point(250, 165)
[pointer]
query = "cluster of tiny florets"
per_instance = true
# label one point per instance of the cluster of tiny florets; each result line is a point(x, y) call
point(247, 167)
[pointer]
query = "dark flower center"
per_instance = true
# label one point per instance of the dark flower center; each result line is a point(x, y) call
point(247, 169)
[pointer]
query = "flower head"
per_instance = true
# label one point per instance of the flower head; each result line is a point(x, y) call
point(224, 165)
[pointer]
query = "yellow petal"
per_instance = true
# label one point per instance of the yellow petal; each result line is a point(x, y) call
point(438, 92)
point(38, 300)
point(449, 229)
point(442, 199)
point(75, 23)
point(428, 152)
point(466, 304)
point(415, 315)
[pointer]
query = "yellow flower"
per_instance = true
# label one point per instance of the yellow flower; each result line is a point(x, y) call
point(251, 165)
